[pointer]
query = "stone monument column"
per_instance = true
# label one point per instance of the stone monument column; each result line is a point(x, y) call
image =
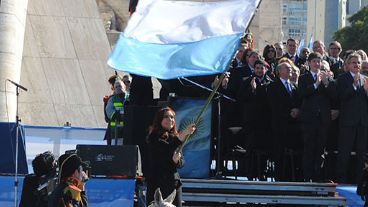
point(13, 15)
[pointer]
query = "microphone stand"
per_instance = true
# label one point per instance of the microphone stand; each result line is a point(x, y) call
point(219, 96)
point(116, 121)
point(206, 88)
point(17, 121)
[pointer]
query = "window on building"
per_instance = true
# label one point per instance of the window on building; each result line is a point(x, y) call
point(295, 20)
point(294, 32)
point(284, 21)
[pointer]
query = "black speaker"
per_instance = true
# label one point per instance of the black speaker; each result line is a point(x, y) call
point(112, 160)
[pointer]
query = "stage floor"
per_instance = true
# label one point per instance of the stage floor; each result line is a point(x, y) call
point(120, 192)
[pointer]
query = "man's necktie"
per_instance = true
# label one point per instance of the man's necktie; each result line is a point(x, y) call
point(288, 87)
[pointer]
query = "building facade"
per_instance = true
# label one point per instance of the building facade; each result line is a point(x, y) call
point(279, 20)
point(294, 19)
point(325, 17)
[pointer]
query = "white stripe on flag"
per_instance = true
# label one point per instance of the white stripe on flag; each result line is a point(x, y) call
point(170, 39)
point(161, 21)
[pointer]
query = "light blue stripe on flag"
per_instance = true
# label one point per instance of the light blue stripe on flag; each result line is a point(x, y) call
point(310, 44)
point(169, 61)
point(197, 151)
point(301, 46)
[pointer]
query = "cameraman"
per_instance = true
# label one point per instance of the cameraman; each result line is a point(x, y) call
point(72, 177)
point(44, 168)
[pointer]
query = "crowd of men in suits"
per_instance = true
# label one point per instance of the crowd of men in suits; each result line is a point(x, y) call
point(313, 102)
point(311, 105)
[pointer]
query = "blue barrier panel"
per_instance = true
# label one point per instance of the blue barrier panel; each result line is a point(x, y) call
point(349, 192)
point(197, 150)
point(110, 192)
point(7, 190)
point(100, 192)
point(7, 149)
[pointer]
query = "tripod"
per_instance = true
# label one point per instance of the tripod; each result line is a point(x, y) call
point(17, 121)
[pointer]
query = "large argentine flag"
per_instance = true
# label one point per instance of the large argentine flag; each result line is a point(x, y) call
point(171, 39)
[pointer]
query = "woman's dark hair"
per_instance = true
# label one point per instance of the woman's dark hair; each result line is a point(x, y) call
point(156, 127)
point(266, 50)
point(44, 164)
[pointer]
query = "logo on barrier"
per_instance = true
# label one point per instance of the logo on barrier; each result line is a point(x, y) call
point(102, 157)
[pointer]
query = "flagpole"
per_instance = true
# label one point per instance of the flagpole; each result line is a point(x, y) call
point(214, 91)
point(199, 116)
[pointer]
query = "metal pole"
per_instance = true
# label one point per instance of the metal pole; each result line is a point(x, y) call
point(218, 141)
point(199, 116)
point(209, 99)
point(17, 120)
point(16, 182)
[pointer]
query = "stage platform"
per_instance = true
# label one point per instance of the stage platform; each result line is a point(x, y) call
point(107, 192)
point(230, 192)
point(110, 192)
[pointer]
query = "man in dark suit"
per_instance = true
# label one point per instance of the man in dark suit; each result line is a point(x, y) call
point(352, 90)
point(336, 63)
point(239, 74)
point(319, 46)
point(238, 60)
point(291, 53)
point(317, 91)
point(252, 95)
point(256, 117)
point(302, 60)
point(283, 99)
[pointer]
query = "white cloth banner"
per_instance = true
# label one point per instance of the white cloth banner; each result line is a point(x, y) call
point(161, 21)
point(171, 39)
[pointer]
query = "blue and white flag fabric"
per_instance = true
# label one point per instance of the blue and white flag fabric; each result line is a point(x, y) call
point(168, 39)
point(310, 44)
point(301, 46)
point(197, 151)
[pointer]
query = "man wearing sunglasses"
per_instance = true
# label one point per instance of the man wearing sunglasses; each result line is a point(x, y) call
point(72, 177)
point(336, 63)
